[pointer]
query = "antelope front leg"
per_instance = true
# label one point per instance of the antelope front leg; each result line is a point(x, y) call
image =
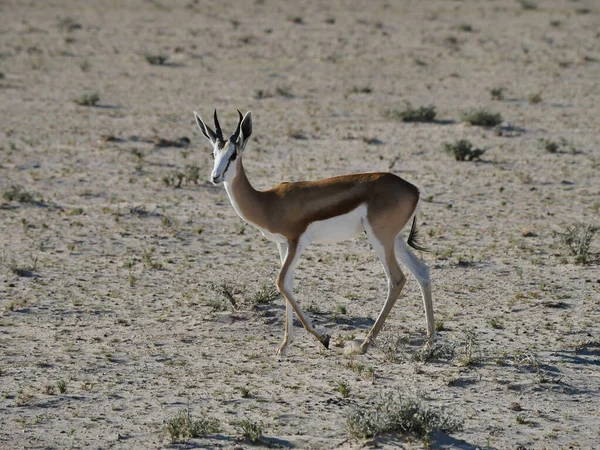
point(289, 311)
point(285, 285)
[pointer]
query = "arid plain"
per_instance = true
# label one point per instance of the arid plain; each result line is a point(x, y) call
point(131, 291)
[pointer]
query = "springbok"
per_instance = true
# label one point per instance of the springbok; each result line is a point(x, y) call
point(295, 214)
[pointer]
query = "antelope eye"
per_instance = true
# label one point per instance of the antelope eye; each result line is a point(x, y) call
point(233, 156)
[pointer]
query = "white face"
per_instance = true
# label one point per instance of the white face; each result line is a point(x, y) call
point(225, 166)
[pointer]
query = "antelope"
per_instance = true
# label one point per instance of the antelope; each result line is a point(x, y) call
point(294, 214)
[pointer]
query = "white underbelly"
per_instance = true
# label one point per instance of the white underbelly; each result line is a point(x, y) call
point(273, 237)
point(339, 228)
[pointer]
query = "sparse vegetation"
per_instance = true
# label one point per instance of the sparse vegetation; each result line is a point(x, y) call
point(250, 431)
point(87, 99)
point(226, 291)
point(244, 391)
point(192, 173)
point(578, 239)
point(481, 117)
point(284, 91)
point(393, 412)
point(389, 346)
point(535, 98)
point(463, 150)
point(528, 5)
point(20, 269)
point(497, 93)
point(100, 348)
point(343, 388)
point(360, 90)
point(495, 322)
point(410, 114)
point(560, 146)
point(183, 426)
point(147, 258)
point(468, 350)
point(156, 59)
point(439, 325)
point(174, 179)
point(549, 145)
point(434, 352)
point(62, 386)
point(265, 295)
point(16, 193)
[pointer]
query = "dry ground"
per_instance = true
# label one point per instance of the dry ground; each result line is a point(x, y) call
point(122, 303)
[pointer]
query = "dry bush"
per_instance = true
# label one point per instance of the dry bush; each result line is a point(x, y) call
point(481, 117)
point(578, 239)
point(409, 114)
point(87, 99)
point(16, 193)
point(182, 426)
point(463, 150)
point(392, 412)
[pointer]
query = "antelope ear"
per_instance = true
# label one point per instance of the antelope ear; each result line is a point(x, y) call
point(206, 131)
point(246, 128)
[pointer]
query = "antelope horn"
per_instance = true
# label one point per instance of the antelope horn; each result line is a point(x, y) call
point(234, 137)
point(218, 128)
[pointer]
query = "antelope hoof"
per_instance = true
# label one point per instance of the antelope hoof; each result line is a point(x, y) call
point(282, 349)
point(325, 341)
point(355, 347)
point(430, 339)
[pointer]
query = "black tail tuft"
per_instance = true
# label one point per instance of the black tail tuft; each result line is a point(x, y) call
point(413, 237)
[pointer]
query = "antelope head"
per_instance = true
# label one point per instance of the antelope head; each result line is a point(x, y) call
point(226, 152)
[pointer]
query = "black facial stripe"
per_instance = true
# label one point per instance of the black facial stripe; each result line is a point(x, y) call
point(231, 158)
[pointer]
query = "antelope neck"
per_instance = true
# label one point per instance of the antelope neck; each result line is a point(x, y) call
point(247, 201)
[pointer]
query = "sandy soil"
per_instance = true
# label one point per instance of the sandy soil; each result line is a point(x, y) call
point(121, 301)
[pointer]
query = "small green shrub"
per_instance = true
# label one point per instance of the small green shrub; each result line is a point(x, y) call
point(250, 431)
point(463, 150)
point(409, 114)
point(548, 145)
point(182, 426)
point(22, 270)
point(226, 291)
point(535, 98)
point(343, 388)
point(392, 412)
point(87, 99)
point(578, 239)
point(435, 352)
point(62, 386)
point(192, 174)
point(528, 5)
point(495, 322)
point(468, 350)
point(16, 193)
point(156, 59)
point(497, 93)
point(244, 391)
point(265, 295)
point(439, 325)
point(481, 117)
point(360, 90)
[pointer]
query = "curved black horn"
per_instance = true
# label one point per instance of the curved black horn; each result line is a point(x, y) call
point(234, 137)
point(218, 128)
